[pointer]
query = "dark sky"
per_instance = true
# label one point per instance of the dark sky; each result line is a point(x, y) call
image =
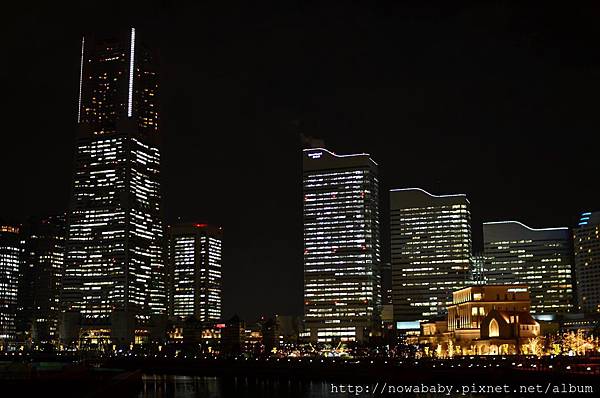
point(496, 100)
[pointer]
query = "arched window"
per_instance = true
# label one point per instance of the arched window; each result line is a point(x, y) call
point(494, 328)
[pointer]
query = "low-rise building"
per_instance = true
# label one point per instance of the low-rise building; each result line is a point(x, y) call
point(484, 319)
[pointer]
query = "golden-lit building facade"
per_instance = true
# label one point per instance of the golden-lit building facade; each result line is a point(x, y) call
point(485, 319)
point(470, 305)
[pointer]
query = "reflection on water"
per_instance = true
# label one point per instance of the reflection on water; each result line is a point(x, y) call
point(167, 386)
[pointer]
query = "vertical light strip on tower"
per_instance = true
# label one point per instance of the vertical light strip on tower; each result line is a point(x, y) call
point(80, 79)
point(131, 65)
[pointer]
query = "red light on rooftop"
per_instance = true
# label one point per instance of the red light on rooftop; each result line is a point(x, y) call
point(201, 225)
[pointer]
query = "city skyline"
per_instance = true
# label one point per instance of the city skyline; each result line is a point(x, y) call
point(494, 196)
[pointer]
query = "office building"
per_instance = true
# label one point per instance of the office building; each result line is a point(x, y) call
point(195, 271)
point(586, 244)
point(10, 260)
point(538, 258)
point(342, 282)
point(431, 252)
point(41, 279)
point(114, 277)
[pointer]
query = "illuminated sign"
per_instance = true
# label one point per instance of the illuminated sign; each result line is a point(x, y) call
point(517, 290)
point(545, 317)
point(315, 155)
point(408, 325)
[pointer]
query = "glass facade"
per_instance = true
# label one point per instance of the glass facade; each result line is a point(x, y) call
point(342, 276)
point(430, 251)
point(539, 258)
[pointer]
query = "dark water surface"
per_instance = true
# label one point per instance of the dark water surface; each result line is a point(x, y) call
point(172, 386)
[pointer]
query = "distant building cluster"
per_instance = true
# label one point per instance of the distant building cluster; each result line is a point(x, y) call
point(111, 273)
point(432, 258)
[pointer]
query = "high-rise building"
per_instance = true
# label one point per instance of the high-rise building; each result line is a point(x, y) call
point(431, 252)
point(40, 282)
point(114, 276)
point(539, 258)
point(195, 271)
point(342, 281)
point(41, 279)
point(10, 260)
point(586, 243)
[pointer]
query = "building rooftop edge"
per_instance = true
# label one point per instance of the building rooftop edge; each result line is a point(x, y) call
point(340, 156)
point(430, 194)
point(525, 226)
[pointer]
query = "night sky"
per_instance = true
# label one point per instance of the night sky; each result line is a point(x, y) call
point(496, 101)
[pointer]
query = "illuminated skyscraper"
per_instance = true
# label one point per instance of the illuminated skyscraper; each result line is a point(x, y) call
point(586, 242)
point(195, 266)
point(342, 281)
point(10, 260)
point(41, 279)
point(114, 274)
point(539, 258)
point(431, 252)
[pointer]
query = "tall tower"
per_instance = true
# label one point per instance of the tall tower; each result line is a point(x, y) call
point(540, 258)
point(431, 252)
point(586, 242)
point(195, 278)
point(114, 276)
point(342, 281)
